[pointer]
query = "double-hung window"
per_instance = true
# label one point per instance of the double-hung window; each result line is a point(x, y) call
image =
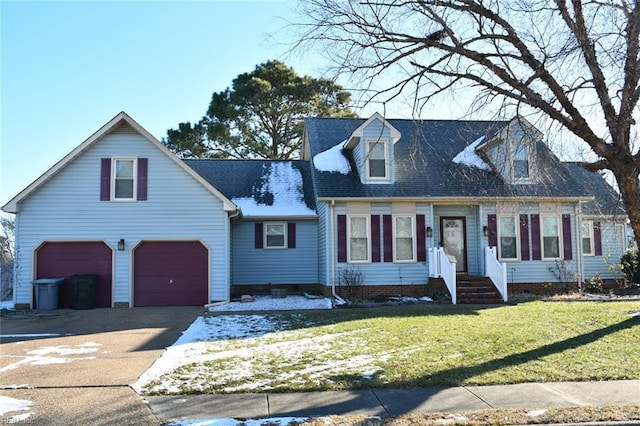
point(359, 247)
point(377, 160)
point(275, 235)
point(521, 161)
point(508, 238)
point(124, 179)
point(404, 242)
point(551, 237)
point(588, 248)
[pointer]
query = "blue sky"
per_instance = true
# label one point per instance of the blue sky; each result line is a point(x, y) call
point(69, 67)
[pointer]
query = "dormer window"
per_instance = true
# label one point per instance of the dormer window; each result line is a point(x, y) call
point(521, 161)
point(378, 159)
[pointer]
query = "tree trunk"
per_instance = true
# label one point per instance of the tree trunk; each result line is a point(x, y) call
point(629, 186)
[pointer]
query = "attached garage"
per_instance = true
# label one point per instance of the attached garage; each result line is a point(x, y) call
point(64, 259)
point(171, 273)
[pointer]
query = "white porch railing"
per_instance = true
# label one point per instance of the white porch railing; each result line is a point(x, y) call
point(496, 271)
point(441, 266)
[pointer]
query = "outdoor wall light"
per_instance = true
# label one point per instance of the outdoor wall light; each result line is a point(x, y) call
point(121, 244)
point(485, 231)
point(429, 232)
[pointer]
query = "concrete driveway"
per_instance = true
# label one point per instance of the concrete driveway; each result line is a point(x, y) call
point(76, 366)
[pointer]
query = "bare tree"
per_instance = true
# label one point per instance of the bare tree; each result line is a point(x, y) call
point(575, 62)
point(7, 239)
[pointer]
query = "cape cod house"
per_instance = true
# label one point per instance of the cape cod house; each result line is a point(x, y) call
point(376, 206)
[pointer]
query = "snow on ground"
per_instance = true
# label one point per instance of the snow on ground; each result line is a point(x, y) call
point(268, 303)
point(46, 355)
point(7, 304)
point(8, 405)
point(276, 421)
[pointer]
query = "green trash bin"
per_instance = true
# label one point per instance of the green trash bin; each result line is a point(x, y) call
point(83, 288)
point(47, 292)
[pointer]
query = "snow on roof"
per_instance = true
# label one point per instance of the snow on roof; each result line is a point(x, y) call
point(332, 160)
point(470, 158)
point(279, 192)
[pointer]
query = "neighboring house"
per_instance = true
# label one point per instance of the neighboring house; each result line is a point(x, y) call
point(400, 202)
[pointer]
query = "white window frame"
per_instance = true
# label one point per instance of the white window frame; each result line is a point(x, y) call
point(517, 232)
point(589, 224)
point(266, 234)
point(414, 250)
point(514, 149)
point(560, 245)
point(114, 169)
point(367, 219)
point(385, 144)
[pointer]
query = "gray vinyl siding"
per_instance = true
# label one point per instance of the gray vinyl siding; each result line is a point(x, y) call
point(613, 244)
point(375, 130)
point(68, 208)
point(537, 271)
point(388, 273)
point(261, 266)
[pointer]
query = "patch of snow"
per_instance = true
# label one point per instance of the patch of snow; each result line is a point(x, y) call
point(282, 185)
point(46, 355)
point(536, 413)
point(274, 421)
point(8, 404)
point(332, 160)
point(14, 387)
point(268, 303)
point(6, 336)
point(469, 156)
point(426, 299)
point(7, 304)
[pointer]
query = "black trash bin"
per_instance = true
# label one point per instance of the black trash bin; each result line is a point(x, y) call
point(47, 292)
point(83, 288)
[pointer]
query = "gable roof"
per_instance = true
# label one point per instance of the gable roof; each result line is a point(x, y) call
point(424, 166)
point(121, 119)
point(606, 201)
point(262, 188)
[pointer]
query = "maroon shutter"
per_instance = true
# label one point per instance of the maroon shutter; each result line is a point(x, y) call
point(566, 237)
point(259, 235)
point(492, 223)
point(105, 179)
point(375, 238)
point(387, 237)
point(535, 237)
point(143, 166)
point(291, 235)
point(420, 238)
point(524, 237)
point(597, 238)
point(342, 238)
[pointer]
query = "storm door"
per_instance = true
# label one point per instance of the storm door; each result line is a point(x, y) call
point(453, 237)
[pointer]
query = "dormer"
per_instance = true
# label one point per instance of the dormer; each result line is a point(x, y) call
point(372, 147)
point(512, 152)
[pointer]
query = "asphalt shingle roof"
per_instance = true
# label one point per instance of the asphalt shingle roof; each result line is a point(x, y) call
point(424, 167)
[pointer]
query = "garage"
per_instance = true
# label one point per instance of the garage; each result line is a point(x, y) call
point(170, 273)
point(64, 259)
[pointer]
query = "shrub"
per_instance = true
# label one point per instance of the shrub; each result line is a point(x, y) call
point(631, 265)
point(593, 284)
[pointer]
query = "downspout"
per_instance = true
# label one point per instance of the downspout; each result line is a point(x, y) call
point(333, 252)
point(236, 213)
point(579, 254)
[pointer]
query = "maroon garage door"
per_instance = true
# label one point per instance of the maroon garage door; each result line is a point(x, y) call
point(170, 273)
point(54, 260)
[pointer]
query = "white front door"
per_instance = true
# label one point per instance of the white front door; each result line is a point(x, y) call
point(453, 239)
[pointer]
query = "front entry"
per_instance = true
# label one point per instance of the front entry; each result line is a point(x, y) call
point(453, 237)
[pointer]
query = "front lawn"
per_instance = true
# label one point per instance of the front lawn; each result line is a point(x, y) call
point(422, 345)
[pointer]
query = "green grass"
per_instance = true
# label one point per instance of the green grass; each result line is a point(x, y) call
point(431, 345)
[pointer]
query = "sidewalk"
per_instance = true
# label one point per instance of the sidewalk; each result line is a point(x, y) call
point(379, 402)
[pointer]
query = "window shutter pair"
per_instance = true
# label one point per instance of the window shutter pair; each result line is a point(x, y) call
point(387, 238)
point(536, 250)
point(105, 179)
point(259, 235)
